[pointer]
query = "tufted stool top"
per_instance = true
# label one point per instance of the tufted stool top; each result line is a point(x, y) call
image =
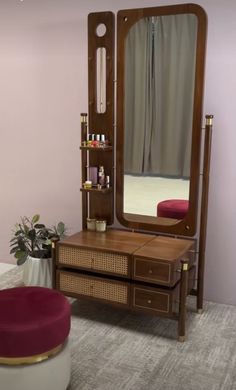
point(33, 320)
point(173, 208)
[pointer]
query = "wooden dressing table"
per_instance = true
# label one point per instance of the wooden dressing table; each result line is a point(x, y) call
point(152, 271)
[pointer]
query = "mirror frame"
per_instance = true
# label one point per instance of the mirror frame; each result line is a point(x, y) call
point(187, 226)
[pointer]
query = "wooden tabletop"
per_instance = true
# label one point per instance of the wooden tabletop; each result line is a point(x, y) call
point(113, 240)
point(165, 248)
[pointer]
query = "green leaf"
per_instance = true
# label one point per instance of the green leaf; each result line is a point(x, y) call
point(21, 245)
point(35, 218)
point(13, 241)
point(21, 260)
point(14, 249)
point(32, 234)
point(19, 254)
point(39, 226)
point(61, 228)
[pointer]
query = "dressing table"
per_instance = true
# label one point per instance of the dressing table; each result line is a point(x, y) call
point(152, 263)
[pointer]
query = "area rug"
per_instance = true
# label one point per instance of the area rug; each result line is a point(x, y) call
point(113, 349)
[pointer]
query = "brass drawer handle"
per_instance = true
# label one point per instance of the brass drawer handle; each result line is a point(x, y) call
point(150, 271)
point(149, 301)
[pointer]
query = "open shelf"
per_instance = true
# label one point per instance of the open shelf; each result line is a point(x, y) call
point(103, 190)
point(96, 148)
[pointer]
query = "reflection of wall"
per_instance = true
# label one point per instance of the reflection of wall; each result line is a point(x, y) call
point(43, 86)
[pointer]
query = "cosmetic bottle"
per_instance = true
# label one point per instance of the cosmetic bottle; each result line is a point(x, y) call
point(101, 175)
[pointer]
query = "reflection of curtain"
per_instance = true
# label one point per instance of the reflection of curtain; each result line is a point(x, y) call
point(159, 84)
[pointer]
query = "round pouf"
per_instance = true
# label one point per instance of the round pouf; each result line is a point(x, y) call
point(34, 327)
point(173, 208)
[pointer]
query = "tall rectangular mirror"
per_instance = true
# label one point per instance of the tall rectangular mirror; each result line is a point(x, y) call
point(160, 65)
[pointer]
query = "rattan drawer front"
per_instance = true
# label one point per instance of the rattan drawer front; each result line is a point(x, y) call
point(93, 287)
point(94, 260)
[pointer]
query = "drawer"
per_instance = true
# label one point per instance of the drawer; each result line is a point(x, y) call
point(88, 259)
point(159, 272)
point(158, 301)
point(76, 284)
point(152, 271)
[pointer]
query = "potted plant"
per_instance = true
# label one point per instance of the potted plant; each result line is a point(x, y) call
point(31, 245)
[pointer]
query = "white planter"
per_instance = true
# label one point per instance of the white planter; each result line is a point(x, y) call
point(37, 272)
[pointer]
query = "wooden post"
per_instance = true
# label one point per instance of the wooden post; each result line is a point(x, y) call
point(84, 164)
point(54, 260)
point(182, 299)
point(203, 217)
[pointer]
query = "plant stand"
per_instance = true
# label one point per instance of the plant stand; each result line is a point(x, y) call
point(37, 272)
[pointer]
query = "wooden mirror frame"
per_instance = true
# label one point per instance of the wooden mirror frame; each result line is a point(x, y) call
point(187, 226)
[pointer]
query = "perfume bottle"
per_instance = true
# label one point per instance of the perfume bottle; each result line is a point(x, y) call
point(101, 175)
point(108, 181)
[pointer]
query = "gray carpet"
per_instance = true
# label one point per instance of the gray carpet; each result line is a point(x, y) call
point(113, 349)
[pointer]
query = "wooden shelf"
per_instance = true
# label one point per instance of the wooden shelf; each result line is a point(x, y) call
point(97, 149)
point(103, 190)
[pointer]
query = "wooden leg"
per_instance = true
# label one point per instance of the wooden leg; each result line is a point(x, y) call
point(54, 260)
point(204, 207)
point(182, 300)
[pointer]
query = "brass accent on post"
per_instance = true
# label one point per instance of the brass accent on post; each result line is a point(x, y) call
point(185, 267)
point(209, 120)
point(83, 117)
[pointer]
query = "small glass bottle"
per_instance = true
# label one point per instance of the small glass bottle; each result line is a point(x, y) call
point(101, 175)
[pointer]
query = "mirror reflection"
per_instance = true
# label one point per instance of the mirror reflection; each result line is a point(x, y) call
point(101, 80)
point(160, 56)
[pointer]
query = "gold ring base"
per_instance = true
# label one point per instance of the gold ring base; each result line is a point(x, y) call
point(30, 359)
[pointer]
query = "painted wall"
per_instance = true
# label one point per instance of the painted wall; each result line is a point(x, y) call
point(43, 89)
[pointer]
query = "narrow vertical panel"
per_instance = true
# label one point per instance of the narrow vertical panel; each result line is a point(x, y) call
point(101, 105)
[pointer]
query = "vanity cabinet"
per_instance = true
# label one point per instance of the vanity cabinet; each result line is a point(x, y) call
point(134, 270)
point(152, 272)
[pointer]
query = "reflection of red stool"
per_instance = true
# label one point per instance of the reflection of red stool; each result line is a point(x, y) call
point(173, 208)
point(34, 326)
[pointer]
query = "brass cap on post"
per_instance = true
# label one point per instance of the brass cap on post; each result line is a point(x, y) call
point(184, 265)
point(209, 120)
point(83, 117)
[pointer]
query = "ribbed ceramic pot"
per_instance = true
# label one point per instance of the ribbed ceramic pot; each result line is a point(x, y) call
point(37, 272)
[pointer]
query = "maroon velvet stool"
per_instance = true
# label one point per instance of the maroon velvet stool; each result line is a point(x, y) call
point(34, 327)
point(173, 208)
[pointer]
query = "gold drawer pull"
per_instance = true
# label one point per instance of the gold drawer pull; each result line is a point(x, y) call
point(149, 301)
point(150, 271)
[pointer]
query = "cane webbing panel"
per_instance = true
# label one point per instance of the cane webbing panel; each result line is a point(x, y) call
point(96, 288)
point(102, 261)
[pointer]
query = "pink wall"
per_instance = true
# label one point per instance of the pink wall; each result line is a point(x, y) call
point(43, 89)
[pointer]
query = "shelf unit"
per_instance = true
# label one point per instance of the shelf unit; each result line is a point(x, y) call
point(99, 204)
point(96, 203)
